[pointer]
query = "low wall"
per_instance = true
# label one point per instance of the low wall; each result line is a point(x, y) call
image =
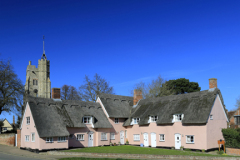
point(7, 139)
point(233, 151)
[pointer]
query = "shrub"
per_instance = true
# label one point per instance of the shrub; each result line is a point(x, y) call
point(232, 137)
point(220, 152)
point(187, 149)
point(203, 150)
point(127, 142)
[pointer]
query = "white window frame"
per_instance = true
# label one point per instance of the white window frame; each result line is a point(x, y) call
point(62, 139)
point(153, 118)
point(88, 119)
point(4, 128)
point(27, 138)
point(178, 117)
point(116, 120)
point(125, 133)
point(190, 136)
point(163, 139)
point(136, 137)
point(135, 120)
point(49, 139)
point(112, 136)
point(28, 120)
point(211, 117)
point(103, 136)
point(33, 137)
point(80, 137)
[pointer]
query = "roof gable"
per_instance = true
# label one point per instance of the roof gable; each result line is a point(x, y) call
point(53, 117)
point(6, 123)
point(116, 106)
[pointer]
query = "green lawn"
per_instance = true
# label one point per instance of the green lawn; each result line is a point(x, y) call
point(127, 149)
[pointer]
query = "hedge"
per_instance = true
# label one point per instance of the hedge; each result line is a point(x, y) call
point(232, 137)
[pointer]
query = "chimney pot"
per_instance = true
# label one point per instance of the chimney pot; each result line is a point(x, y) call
point(137, 96)
point(30, 63)
point(56, 93)
point(212, 83)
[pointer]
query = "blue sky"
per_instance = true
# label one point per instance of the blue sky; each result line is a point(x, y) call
point(126, 41)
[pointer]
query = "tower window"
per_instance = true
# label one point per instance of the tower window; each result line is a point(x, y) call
point(35, 82)
point(36, 92)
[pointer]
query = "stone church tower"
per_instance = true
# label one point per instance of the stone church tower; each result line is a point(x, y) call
point(38, 82)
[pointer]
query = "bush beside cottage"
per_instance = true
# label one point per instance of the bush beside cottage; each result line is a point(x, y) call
point(232, 137)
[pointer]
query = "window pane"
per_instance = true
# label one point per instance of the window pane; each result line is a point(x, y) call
point(33, 137)
point(103, 136)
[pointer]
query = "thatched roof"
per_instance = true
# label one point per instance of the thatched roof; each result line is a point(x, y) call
point(53, 117)
point(195, 106)
point(117, 106)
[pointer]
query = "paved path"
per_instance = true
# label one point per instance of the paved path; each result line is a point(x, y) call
point(8, 151)
point(5, 156)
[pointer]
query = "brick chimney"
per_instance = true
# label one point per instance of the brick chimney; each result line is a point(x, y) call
point(212, 83)
point(137, 96)
point(56, 93)
point(13, 120)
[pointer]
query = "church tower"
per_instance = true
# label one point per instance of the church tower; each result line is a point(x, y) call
point(38, 82)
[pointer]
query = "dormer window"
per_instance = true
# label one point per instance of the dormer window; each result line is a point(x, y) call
point(178, 117)
point(153, 118)
point(135, 120)
point(116, 120)
point(87, 120)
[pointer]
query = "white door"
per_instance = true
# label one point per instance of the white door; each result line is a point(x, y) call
point(177, 141)
point(90, 139)
point(145, 138)
point(122, 137)
point(153, 140)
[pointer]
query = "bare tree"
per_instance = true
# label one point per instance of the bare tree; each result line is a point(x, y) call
point(155, 88)
point(11, 89)
point(237, 105)
point(92, 88)
point(73, 93)
point(69, 92)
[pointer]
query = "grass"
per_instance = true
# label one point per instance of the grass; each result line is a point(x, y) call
point(138, 150)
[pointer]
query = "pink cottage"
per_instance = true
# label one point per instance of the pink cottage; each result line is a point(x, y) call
point(192, 120)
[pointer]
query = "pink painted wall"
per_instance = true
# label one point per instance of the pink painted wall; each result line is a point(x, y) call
point(40, 143)
point(73, 142)
point(199, 132)
point(117, 128)
point(54, 145)
point(28, 130)
point(215, 126)
point(98, 137)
